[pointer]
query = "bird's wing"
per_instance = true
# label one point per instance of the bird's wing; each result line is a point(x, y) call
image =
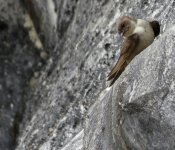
point(126, 50)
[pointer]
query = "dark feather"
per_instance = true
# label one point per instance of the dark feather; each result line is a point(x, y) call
point(126, 51)
point(156, 27)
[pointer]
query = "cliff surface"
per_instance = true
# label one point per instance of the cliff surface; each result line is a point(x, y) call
point(66, 104)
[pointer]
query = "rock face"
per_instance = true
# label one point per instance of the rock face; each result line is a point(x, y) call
point(69, 107)
point(18, 60)
point(138, 112)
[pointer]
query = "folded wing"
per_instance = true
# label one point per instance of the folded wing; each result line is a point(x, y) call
point(127, 50)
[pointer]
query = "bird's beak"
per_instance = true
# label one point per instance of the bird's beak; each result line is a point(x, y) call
point(122, 33)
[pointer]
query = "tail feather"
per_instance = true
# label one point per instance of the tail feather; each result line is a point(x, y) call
point(117, 75)
point(118, 66)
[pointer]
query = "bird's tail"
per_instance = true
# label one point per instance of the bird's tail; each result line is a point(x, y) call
point(116, 71)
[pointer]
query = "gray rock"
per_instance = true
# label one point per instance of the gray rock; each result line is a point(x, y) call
point(82, 41)
point(18, 60)
point(76, 143)
point(138, 113)
point(44, 15)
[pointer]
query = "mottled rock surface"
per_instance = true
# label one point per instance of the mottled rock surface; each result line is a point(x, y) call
point(138, 111)
point(86, 47)
point(18, 61)
point(82, 41)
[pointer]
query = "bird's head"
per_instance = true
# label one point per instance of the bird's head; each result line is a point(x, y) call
point(126, 26)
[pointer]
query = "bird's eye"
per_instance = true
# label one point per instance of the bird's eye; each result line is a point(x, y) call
point(123, 25)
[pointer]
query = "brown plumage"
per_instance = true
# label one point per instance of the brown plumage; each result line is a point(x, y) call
point(138, 34)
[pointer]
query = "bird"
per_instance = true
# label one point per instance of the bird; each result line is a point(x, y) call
point(138, 34)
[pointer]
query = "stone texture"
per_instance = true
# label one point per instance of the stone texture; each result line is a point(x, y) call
point(138, 112)
point(18, 60)
point(83, 43)
point(85, 49)
point(76, 143)
point(44, 16)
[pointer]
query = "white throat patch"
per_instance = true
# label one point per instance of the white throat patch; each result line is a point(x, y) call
point(139, 30)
